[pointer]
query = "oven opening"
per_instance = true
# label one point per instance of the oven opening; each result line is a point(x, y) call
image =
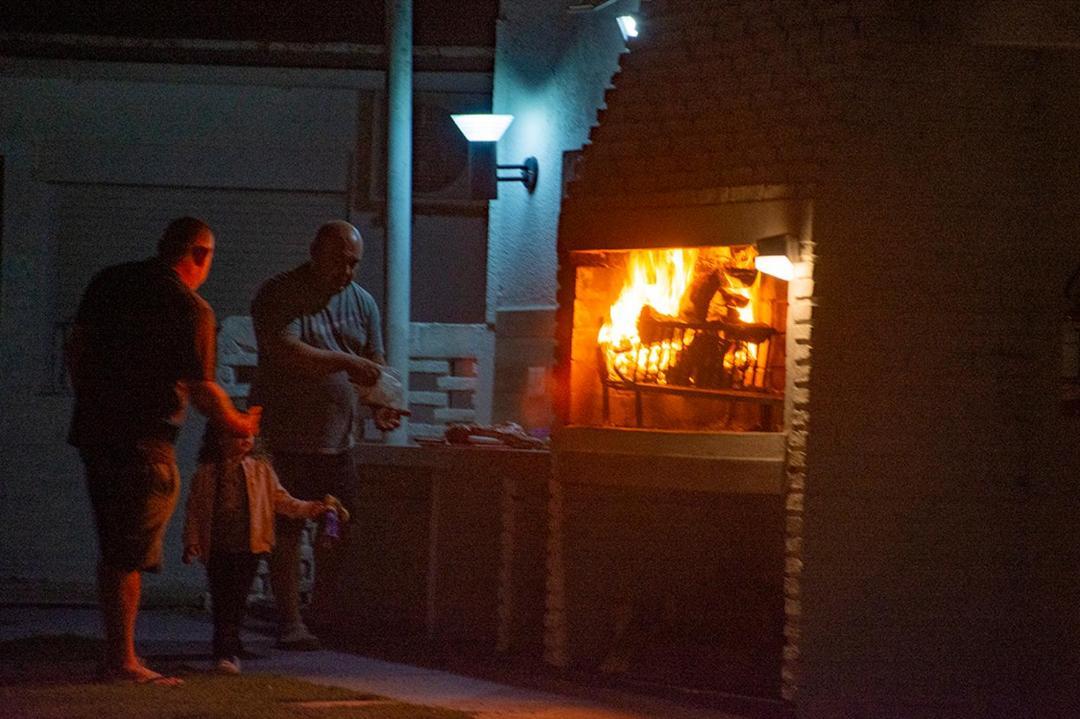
point(685, 339)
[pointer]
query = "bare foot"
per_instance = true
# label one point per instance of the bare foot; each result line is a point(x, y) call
point(140, 674)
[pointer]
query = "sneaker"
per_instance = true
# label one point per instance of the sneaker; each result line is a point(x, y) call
point(297, 638)
point(227, 665)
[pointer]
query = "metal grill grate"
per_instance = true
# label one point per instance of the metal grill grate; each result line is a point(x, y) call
point(720, 360)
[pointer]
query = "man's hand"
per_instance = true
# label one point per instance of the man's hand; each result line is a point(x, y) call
point(363, 372)
point(191, 552)
point(248, 422)
point(212, 401)
point(388, 418)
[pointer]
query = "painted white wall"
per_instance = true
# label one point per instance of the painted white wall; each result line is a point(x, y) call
point(142, 138)
point(66, 124)
point(551, 70)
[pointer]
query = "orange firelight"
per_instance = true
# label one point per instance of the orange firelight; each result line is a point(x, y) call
point(661, 279)
point(658, 278)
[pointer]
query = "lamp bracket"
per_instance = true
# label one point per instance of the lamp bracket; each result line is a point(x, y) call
point(529, 171)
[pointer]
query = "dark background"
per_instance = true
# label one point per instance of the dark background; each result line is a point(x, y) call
point(436, 22)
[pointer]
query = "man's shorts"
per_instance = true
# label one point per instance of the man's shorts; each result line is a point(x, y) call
point(133, 490)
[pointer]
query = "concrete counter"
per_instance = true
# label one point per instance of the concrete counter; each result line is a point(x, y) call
point(449, 546)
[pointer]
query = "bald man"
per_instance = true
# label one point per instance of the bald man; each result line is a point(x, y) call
point(319, 336)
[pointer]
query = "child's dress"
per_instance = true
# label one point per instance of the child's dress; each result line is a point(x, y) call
point(230, 518)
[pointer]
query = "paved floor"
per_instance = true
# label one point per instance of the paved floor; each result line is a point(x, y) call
point(176, 634)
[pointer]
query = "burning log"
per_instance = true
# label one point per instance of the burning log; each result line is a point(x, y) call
point(741, 267)
point(719, 287)
point(745, 276)
point(732, 299)
point(725, 306)
point(708, 274)
point(751, 332)
point(654, 326)
point(702, 363)
point(708, 352)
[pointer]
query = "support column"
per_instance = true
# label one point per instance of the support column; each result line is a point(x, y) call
point(399, 44)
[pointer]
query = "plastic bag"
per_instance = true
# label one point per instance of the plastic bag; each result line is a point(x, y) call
point(386, 392)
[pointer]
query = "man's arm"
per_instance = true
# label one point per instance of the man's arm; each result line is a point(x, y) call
point(277, 332)
point(210, 399)
point(198, 351)
point(315, 362)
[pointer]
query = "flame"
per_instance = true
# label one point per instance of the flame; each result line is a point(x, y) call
point(657, 278)
point(660, 279)
point(746, 314)
point(743, 357)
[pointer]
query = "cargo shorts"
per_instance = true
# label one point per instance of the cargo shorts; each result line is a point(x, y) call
point(133, 491)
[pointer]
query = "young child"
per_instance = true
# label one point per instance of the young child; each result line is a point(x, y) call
point(230, 522)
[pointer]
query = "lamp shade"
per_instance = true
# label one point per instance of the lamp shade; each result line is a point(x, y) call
point(777, 266)
point(482, 128)
point(777, 256)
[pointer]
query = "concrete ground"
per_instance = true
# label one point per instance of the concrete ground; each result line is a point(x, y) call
point(178, 635)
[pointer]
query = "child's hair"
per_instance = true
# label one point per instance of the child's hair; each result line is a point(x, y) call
point(210, 451)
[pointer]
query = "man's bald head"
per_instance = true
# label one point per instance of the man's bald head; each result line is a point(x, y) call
point(335, 253)
point(332, 236)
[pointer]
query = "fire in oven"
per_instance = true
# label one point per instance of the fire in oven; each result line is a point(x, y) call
point(684, 338)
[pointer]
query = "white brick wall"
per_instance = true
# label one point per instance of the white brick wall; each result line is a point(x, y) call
point(438, 350)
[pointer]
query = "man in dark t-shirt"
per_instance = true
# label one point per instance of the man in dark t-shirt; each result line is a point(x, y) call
point(149, 332)
point(143, 343)
point(319, 334)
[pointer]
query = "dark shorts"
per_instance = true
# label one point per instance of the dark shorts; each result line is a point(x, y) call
point(313, 476)
point(133, 491)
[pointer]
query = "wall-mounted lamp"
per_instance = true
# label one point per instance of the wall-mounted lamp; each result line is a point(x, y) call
point(627, 26)
point(777, 256)
point(482, 132)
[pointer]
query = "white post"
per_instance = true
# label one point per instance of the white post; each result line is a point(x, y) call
point(399, 22)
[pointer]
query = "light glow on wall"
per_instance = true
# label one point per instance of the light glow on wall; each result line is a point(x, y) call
point(778, 266)
point(628, 26)
point(482, 128)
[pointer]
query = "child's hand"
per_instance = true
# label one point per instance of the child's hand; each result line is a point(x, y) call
point(191, 552)
point(317, 509)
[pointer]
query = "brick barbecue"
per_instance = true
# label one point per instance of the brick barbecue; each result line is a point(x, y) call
point(691, 427)
point(867, 562)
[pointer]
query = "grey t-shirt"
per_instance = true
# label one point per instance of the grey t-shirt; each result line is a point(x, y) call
point(303, 413)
